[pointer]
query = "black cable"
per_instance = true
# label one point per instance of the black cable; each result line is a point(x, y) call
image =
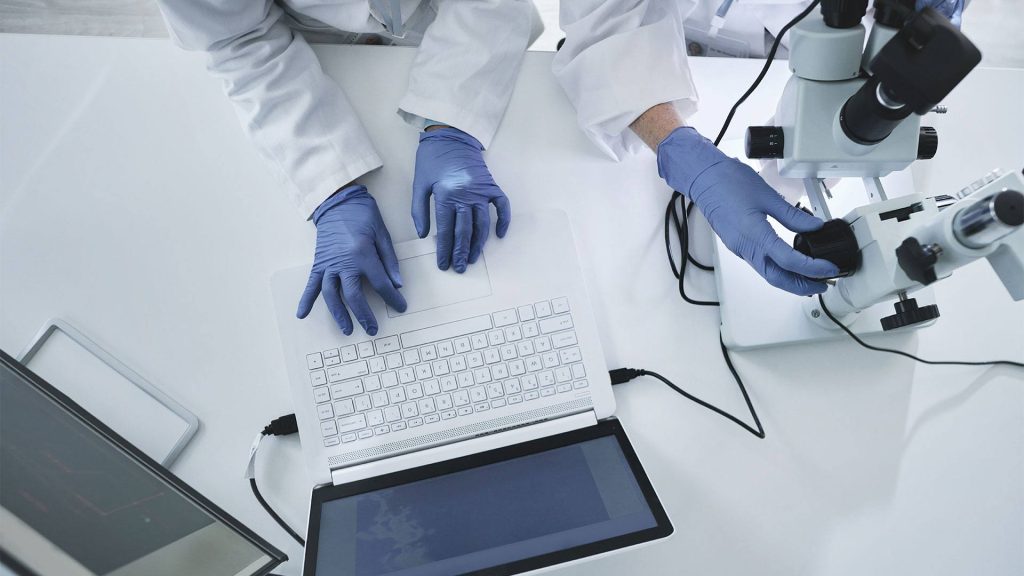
point(278, 519)
point(281, 426)
point(857, 339)
point(672, 218)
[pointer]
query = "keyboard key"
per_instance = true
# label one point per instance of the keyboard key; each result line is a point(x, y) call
point(428, 353)
point(512, 386)
point(525, 348)
point(570, 355)
point(380, 398)
point(564, 387)
point(496, 337)
point(392, 414)
point(542, 344)
point(414, 391)
point(445, 349)
point(543, 309)
point(475, 359)
point(325, 411)
point(364, 434)
point(549, 391)
point(411, 357)
point(352, 423)
point(448, 383)
point(346, 389)
point(314, 361)
point(508, 352)
point(382, 430)
point(465, 379)
point(387, 345)
point(550, 359)
point(409, 410)
point(495, 390)
point(517, 367)
point(363, 403)
point(499, 372)
point(462, 345)
point(318, 377)
point(321, 394)
point(444, 402)
point(491, 355)
point(398, 426)
point(375, 417)
point(332, 441)
point(377, 364)
point(482, 407)
point(460, 397)
point(396, 395)
point(406, 375)
point(415, 422)
point(465, 410)
point(515, 399)
point(529, 382)
point(479, 341)
point(560, 305)
point(431, 387)
point(347, 371)
point(350, 437)
point(531, 395)
point(365, 349)
point(533, 363)
point(546, 378)
point(417, 338)
point(344, 407)
point(457, 363)
point(478, 394)
point(513, 333)
point(563, 374)
point(580, 384)
point(431, 418)
point(423, 372)
point(505, 318)
point(481, 375)
point(530, 330)
point(563, 339)
point(448, 414)
point(427, 405)
point(332, 353)
point(526, 313)
point(394, 361)
point(498, 403)
point(371, 383)
point(348, 353)
point(329, 428)
point(333, 361)
point(440, 367)
point(578, 371)
point(549, 325)
point(389, 379)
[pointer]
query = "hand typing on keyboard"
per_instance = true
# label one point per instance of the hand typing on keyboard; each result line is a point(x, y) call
point(351, 244)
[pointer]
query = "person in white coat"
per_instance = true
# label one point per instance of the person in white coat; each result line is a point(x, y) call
point(303, 125)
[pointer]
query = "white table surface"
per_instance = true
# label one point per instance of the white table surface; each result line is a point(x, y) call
point(132, 205)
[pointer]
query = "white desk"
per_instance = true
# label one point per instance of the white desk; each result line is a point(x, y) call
point(133, 206)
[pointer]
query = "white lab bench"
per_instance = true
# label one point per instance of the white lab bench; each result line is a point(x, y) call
point(132, 205)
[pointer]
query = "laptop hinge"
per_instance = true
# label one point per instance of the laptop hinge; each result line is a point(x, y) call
point(463, 448)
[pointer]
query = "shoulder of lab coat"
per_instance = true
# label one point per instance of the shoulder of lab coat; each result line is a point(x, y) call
point(467, 64)
point(299, 119)
point(619, 59)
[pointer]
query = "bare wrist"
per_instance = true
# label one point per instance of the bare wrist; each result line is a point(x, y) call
point(656, 123)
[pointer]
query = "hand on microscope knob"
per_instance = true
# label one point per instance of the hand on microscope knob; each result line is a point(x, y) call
point(736, 203)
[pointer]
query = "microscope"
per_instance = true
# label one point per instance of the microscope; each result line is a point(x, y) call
point(853, 109)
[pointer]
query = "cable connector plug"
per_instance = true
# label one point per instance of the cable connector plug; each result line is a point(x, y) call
point(623, 375)
point(281, 426)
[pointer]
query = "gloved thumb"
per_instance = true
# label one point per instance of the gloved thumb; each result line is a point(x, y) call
point(421, 207)
point(792, 217)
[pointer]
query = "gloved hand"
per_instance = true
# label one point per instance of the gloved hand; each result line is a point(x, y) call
point(736, 201)
point(952, 9)
point(351, 244)
point(449, 165)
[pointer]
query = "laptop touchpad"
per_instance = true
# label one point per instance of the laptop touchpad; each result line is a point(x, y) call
point(426, 287)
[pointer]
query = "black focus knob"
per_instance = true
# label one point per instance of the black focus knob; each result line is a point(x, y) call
point(909, 313)
point(764, 142)
point(834, 242)
point(918, 260)
point(927, 143)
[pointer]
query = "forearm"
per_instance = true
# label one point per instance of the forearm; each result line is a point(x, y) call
point(656, 123)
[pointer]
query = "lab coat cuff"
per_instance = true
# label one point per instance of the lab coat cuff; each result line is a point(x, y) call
point(331, 181)
point(416, 110)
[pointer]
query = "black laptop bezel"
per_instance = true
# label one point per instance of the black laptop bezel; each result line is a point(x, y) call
point(604, 428)
point(276, 557)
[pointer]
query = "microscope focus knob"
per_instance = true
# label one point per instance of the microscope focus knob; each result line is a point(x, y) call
point(834, 242)
point(764, 142)
point(927, 143)
point(909, 313)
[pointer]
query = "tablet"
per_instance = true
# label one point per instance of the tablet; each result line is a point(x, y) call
point(504, 511)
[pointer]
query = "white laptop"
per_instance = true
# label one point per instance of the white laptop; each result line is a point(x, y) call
point(492, 382)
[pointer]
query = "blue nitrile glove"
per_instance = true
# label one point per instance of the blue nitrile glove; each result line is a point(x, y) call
point(351, 244)
point(450, 165)
point(736, 202)
point(952, 9)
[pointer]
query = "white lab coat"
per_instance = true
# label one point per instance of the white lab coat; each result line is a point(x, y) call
point(300, 120)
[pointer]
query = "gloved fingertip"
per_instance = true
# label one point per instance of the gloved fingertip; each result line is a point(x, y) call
point(460, 267)
point(371, 330)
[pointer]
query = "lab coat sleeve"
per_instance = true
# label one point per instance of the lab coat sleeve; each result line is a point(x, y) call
point(620, 58)
point(298, 118)
point(467, 64)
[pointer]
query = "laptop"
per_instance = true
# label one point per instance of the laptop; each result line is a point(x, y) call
point(474, 434)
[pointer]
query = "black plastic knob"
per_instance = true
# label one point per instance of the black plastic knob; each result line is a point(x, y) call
point(909, 313)
point(918, 261)
point(927, 143)
point(764, 142)
point(834, 242)
point(1009, 207)
point(843, 13)
point(893, 13)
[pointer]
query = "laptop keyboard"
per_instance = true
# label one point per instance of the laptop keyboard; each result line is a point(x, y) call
point(520, 357)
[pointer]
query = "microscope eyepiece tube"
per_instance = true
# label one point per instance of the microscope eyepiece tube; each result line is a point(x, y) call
point(988, 220)
point(872, 113)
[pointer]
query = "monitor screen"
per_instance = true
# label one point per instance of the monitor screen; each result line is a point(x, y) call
point(527, 511)
point(75, 499)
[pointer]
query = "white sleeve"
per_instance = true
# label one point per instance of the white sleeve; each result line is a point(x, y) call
point(298, 118)
point(620, 58)
point(467, 64)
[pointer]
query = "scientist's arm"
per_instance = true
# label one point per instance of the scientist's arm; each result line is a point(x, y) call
point(302, 124)
point(462, 79)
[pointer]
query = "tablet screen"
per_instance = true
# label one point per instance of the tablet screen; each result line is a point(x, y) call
point(554, 504)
